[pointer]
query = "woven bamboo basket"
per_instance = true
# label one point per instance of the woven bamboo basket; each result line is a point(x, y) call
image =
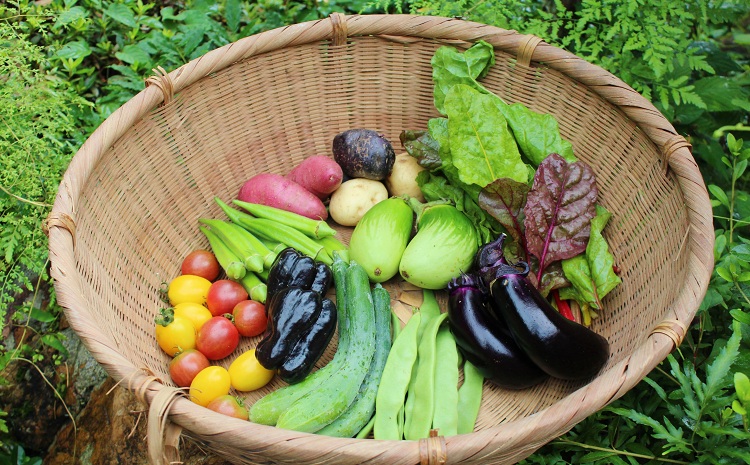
point(127, 209)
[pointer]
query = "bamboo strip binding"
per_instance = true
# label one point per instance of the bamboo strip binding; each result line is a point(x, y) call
point(92, 288)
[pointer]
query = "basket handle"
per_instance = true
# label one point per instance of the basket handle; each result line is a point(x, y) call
point(526, 49)
point(672, 145)
point(163, 436)
point(432, 450)
point(340, 31)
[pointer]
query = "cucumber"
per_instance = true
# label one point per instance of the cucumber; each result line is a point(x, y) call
point(356, 417)
point(268, 409)
point(320, 407)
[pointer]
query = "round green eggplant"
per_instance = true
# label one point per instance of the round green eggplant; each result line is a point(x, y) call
point(380, 238)
point(443, 248)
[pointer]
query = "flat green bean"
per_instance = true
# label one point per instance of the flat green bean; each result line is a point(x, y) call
point(429, 310)
point(469, 398)
point(421, 409)
point(445, 413)
point(364, 432)
point(395, 381)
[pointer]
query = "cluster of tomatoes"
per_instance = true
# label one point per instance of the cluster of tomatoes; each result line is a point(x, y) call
point(205, 322)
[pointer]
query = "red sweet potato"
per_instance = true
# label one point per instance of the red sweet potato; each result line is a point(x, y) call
point(278, 191)
point(318, 174)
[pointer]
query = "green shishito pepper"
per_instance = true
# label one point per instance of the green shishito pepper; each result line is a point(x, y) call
point(301, 320)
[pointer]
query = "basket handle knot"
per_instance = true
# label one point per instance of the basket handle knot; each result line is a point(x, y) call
point(163, 435)
point(60, 220)
point(673, 329)
point(672, 145)
point(526, 49)
point(340, 31)
point(432, 450)
point(162, 80)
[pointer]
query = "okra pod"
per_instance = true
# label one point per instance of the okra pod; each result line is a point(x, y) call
point(252, 260)
point(273, 230)
point(254, 287)
point(232, 266)
point(315, 229)
point(257, 245)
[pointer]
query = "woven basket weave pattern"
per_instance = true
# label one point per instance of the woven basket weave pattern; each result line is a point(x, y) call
point(139, 184)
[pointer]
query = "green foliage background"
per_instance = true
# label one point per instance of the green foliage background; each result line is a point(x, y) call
point(65, 66)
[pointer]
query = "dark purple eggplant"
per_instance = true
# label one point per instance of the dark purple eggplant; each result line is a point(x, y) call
point(484, 340)
point(561, 347)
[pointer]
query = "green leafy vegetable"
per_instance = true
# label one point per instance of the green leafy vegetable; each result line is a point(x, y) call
point(591, 273)
point(451, 67)
point(559, 209)
point(482, 148)
point(537, 134)
point(504, 199)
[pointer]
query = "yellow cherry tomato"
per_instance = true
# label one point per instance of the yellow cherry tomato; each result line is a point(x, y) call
point(196, 313)
point(210, 383)
point(175, 335)
point(247, 374)
point(188, 288)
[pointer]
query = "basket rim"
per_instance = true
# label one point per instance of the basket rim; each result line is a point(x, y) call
point(532, 431)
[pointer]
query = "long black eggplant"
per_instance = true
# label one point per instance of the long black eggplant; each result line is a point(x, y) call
point(559, 346)
point(484, 340)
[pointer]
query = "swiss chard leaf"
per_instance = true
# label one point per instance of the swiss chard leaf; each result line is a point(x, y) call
point(537, 134)
point(422, 146)
point(559, 209)
point(591, 273)
point(504, 199)
point(451, 67)
point(482, 148)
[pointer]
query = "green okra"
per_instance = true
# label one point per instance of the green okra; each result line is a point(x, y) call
point(256, 289)
point(315, 229)
point(276, 231)
point(235, 242)
point(233, 266)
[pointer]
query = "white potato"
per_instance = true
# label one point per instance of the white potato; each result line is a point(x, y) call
point(403, 177)
point(353, 198)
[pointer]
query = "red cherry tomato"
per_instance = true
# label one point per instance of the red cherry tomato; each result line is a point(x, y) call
point(185, 365)
point(223, 295)
point(201, 263)
point(229, 405)
point(250, 318)
point(217, 338)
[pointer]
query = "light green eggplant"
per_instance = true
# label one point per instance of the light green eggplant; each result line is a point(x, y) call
point(380, 238)
point(443, 248)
